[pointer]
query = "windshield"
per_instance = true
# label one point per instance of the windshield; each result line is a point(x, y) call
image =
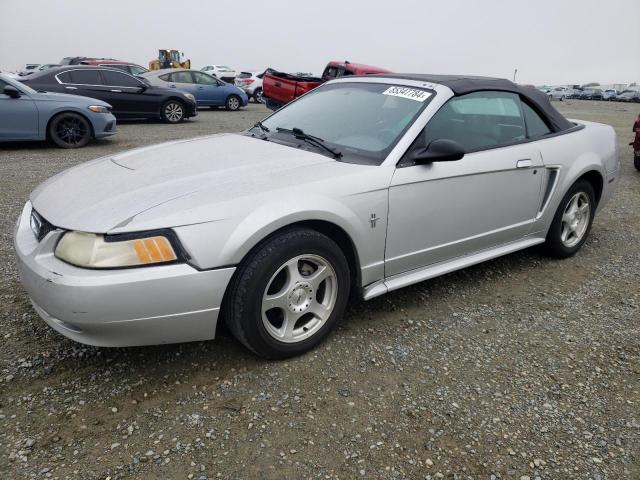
point(363, 121)
point(19, 85)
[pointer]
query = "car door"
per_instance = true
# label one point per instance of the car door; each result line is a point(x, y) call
point(490, 197)
point(19, 118)
point(86, 82)
point(127, 95)
point(183, 80)
point(207, 88)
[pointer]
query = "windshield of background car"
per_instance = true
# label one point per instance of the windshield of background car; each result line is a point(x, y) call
point(363, 121)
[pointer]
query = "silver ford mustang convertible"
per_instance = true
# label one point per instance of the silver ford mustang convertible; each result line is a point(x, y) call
point(362, 186)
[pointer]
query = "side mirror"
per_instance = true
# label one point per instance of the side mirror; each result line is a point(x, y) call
point(11, 91)
point(441, 150)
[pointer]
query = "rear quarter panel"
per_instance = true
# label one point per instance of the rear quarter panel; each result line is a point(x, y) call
point(592, 148)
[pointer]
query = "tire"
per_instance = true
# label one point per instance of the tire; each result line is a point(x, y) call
point(257, 96)
point(232, 103)
point(568, 232)
point(279, 304)
point(69, 130)
point(636, 161)
point(172, 111)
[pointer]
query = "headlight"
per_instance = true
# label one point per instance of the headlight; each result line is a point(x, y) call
point(190, 97)
point(99, 109)
point(89, 250)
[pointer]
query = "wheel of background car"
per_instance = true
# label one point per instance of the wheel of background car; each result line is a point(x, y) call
point(233, 103)
point(288, 294)
point(172, 111)
point(257, 96)
point(70, 130)
point(572, 222)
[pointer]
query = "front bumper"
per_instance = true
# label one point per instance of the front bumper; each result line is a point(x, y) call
point(192, 110)
point(104, 125)
point(122, 307)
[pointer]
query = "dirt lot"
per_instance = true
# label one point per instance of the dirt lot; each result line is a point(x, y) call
point(523, 367)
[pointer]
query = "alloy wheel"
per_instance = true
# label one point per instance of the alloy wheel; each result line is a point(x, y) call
point(299, 298)
point(575, 219)
point(233, 103)
point(173, 112)
point(71, 131)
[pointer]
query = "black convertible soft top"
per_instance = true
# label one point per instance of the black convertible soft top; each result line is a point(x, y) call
point(463, 84)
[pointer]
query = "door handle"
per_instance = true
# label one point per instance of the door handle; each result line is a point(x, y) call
point(71, 88)
point(526, 163)
point(117, 91)
point(200, 88)
point(277, 84)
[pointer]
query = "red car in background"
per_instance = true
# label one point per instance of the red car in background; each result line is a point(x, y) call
point(279, 88)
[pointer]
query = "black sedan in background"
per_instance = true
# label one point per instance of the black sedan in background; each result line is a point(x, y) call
point(129, 96)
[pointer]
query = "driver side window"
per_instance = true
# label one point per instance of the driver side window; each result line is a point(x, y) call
point(478, 121)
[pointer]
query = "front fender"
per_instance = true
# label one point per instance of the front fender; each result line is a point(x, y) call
point(228, 241)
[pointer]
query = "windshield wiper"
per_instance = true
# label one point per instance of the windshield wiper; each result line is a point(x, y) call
point(318, 142)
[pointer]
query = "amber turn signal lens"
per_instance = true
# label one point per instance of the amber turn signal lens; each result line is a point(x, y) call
point(154, 250)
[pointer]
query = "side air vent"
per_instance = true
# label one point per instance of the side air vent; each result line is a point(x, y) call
point(552, 179)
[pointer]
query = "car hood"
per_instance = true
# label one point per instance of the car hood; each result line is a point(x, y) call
point(108, 193)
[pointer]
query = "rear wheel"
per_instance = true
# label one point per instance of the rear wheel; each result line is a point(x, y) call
point(572, 222)
point(70, 130)
point(636, 160)
point(233, 103)
point(172, 111)
point(288, 294)
point(257, 96)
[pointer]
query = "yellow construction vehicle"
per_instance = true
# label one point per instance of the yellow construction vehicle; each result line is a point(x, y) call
point(169, 59)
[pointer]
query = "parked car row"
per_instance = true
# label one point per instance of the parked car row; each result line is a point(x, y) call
point(591, 93)
point(80, 98)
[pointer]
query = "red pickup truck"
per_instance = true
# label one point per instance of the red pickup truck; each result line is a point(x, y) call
point(280, 88)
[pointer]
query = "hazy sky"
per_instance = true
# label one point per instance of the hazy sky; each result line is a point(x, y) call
point(548, 41)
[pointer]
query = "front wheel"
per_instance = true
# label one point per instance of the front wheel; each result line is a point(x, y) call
point(70, 130)
point(572, 222)
point(172, 111)
point(288, 294)
point(257, 96)
point(233, 103)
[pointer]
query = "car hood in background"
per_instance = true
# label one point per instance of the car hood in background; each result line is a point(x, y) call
point(107, 193)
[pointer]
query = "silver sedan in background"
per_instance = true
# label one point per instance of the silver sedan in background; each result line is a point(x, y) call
point(363, 186)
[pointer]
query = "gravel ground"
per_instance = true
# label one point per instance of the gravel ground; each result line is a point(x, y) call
point(522, 367)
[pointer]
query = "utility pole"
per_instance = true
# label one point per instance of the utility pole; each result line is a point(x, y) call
point(514, 75)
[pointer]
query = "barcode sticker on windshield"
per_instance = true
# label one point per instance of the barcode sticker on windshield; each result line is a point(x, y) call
point(409, 93)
